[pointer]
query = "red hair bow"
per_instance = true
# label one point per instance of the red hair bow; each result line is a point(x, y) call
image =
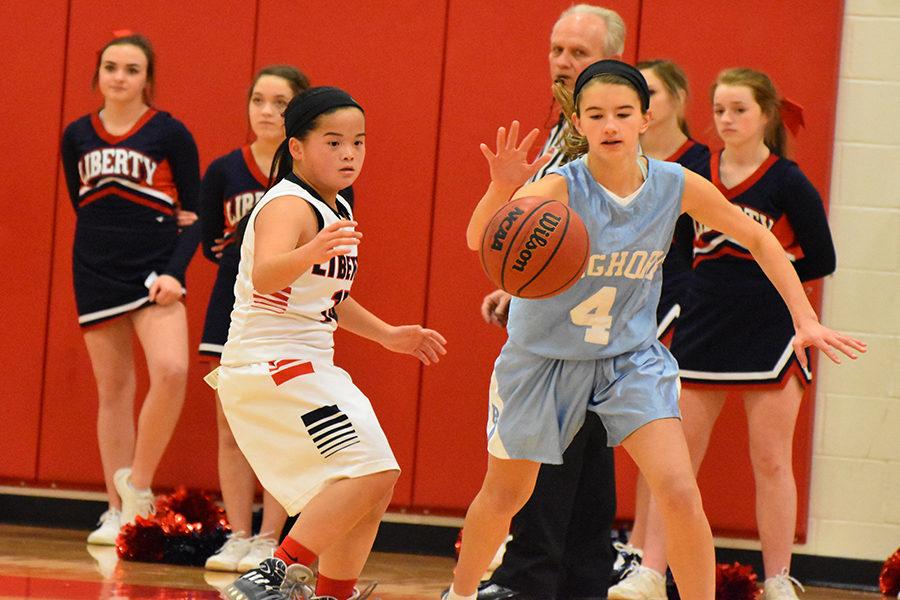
point(792, 115)
point(120, 33)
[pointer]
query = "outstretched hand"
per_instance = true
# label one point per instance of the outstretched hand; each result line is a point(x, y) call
point(424, 344)
point(509, 165)
point(813, 333)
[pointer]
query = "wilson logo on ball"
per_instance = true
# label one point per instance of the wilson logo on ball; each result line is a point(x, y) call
point(537, 239)
point(534, 247)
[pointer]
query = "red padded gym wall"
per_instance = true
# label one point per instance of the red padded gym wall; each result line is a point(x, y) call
point(29, 59)
point(204, 66)
point(496, 70)
point(799, 48)
point(388, 56)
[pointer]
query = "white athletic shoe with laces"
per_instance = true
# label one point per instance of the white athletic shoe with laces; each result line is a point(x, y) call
point(228, 557)
point(781, 587)
point(108, 530)
point(641, 583)
point(627, 557)
point(134, 501)
point(259, 550)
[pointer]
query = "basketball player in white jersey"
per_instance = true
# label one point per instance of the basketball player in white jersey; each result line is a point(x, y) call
point(310, 435)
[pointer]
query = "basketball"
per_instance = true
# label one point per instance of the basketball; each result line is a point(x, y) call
point(534, 248)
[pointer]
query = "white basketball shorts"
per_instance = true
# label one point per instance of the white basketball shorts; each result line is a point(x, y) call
point(301, 425)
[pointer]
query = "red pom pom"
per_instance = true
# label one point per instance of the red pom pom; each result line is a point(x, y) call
point(889, 580)
point(196, 507)
point(736, 582)
point(187, 527)
point(143, 540)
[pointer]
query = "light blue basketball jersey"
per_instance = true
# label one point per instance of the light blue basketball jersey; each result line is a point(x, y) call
point(612, 308)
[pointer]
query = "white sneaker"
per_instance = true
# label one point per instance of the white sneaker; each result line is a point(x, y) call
point(626, 556)
point(641, 583)
point(228, 557)
point(260, 549)
point(781, 587)
point(135, 502)
point(108, 530)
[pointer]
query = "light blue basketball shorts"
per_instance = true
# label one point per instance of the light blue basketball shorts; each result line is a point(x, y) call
point(538, 404)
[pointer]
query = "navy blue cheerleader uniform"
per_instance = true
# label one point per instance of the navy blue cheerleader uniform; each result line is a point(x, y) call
point(735, 329)
point(677, 266)
point(232, 186)
point(125, 191)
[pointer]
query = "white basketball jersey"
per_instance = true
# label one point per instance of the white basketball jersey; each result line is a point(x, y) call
point(298, 321)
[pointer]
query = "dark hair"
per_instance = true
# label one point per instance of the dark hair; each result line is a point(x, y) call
point(302, 116)
point(573, 143)
point(675, 81)
point(764, 94)
point(295, 78)
point(142, 43)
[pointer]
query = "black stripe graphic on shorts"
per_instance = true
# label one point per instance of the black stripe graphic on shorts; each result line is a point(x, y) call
point(330, 429)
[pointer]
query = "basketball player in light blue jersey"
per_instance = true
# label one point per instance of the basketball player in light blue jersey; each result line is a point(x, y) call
point(594, 347)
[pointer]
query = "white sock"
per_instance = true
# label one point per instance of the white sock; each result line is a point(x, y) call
point(454, 596)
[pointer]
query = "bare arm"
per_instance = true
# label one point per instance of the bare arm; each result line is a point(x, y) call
point(424, 344)
point(510, 169)
point(707, 205)
point(287, 243)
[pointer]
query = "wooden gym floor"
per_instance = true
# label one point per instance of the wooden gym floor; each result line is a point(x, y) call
point(57, 563)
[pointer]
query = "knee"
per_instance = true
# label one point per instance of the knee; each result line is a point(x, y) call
point(771, 465)
point(170, 375)
point(681, 498)
point(116, 390)
point(507, 500)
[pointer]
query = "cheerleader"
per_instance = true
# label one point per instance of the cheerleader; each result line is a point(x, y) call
point(129, 169)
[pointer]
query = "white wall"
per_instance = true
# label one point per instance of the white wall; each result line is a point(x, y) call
point(855, 494)
point(855, 491)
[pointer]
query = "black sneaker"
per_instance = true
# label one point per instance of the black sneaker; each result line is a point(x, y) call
point(492, 591)
point(262, 583)
point(488, 590)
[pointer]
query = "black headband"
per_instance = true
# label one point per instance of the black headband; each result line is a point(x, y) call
point(311, 103)
point(615, 67)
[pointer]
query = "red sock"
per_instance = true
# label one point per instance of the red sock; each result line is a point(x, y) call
point(292, 552)
point(341, 589)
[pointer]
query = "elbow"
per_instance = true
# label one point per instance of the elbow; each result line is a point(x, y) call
point(261, 284)
point(473, 238)
point(822, 267)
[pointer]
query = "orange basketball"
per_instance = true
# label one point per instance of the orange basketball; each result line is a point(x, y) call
point(535, 247)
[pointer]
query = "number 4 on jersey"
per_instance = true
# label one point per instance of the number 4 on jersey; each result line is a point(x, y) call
point(593, 313)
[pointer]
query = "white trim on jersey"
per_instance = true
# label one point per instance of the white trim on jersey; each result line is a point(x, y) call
point(668, 319)
point(207, 347)
point(720, 239)
point(129, 184)
point(110, 312)
point(748, 376)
